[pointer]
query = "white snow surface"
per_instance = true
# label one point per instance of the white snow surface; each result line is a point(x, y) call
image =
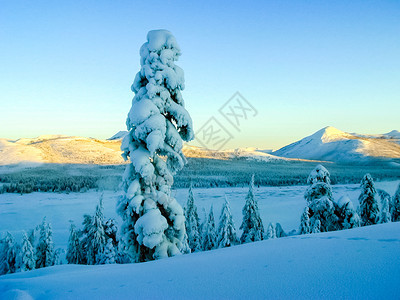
point(283, 204)
point(361, 263)
point(331, 144)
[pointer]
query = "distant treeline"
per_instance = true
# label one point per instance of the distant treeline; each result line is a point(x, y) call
point(201, 172)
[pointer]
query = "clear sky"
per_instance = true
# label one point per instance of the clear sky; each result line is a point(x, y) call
point(66, 66)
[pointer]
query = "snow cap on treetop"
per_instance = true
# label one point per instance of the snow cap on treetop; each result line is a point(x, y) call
point(158, 40)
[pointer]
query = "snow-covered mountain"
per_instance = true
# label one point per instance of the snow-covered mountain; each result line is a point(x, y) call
point(360, 263)
point(327, 144)
point(331, 144)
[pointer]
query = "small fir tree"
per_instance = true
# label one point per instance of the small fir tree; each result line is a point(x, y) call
point(192, 223)
point(369, 209)
point(28, 259)
point(271, 233)
point(385, 215)
point(305, 226)
point(45, 247)
point(226, 230)
point(253, 228)
point(210, 235)
point(320, 200)
point(9, 255)
point(395, 207)
point(74, 254)
point(348, 215)
point(96, 235)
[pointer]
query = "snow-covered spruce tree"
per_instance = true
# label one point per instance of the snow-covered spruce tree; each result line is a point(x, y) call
point(74, 253)
point(9, 255)
point(320, 201)
point(385, 215)
point(369, 209)
point(348, 215)
point(192, 223)
point(210, 234)
point(252, 225)
point(305, 226)
point(28, 259)
point(203, 222)
point(226, 235)
point(154, 224)
point(271, 233)
point(96, 235)
point(395, 207)
point(45, 247)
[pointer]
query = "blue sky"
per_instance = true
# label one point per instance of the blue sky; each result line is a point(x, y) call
point(67, 66)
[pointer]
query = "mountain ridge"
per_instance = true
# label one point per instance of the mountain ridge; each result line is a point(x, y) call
point(327, 144)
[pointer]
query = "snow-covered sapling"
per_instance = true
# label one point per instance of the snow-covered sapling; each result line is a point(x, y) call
point(28, 259)
point(96, 235)
point(252, 225)
point(395, 207)
point(210, 234)
point(320, 200)
point(192, 223)
point(369, 209)
point(226, 230)
point(271, 233)
point(305, 226)
point(8, 257)
point(385, 215)
point(348, 215)
point(158, 123)
point(74, 253)
point(45, 247)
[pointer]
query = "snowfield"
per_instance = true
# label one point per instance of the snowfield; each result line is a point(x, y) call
point(358, 263)
point(361, 263)
point(277, 204)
